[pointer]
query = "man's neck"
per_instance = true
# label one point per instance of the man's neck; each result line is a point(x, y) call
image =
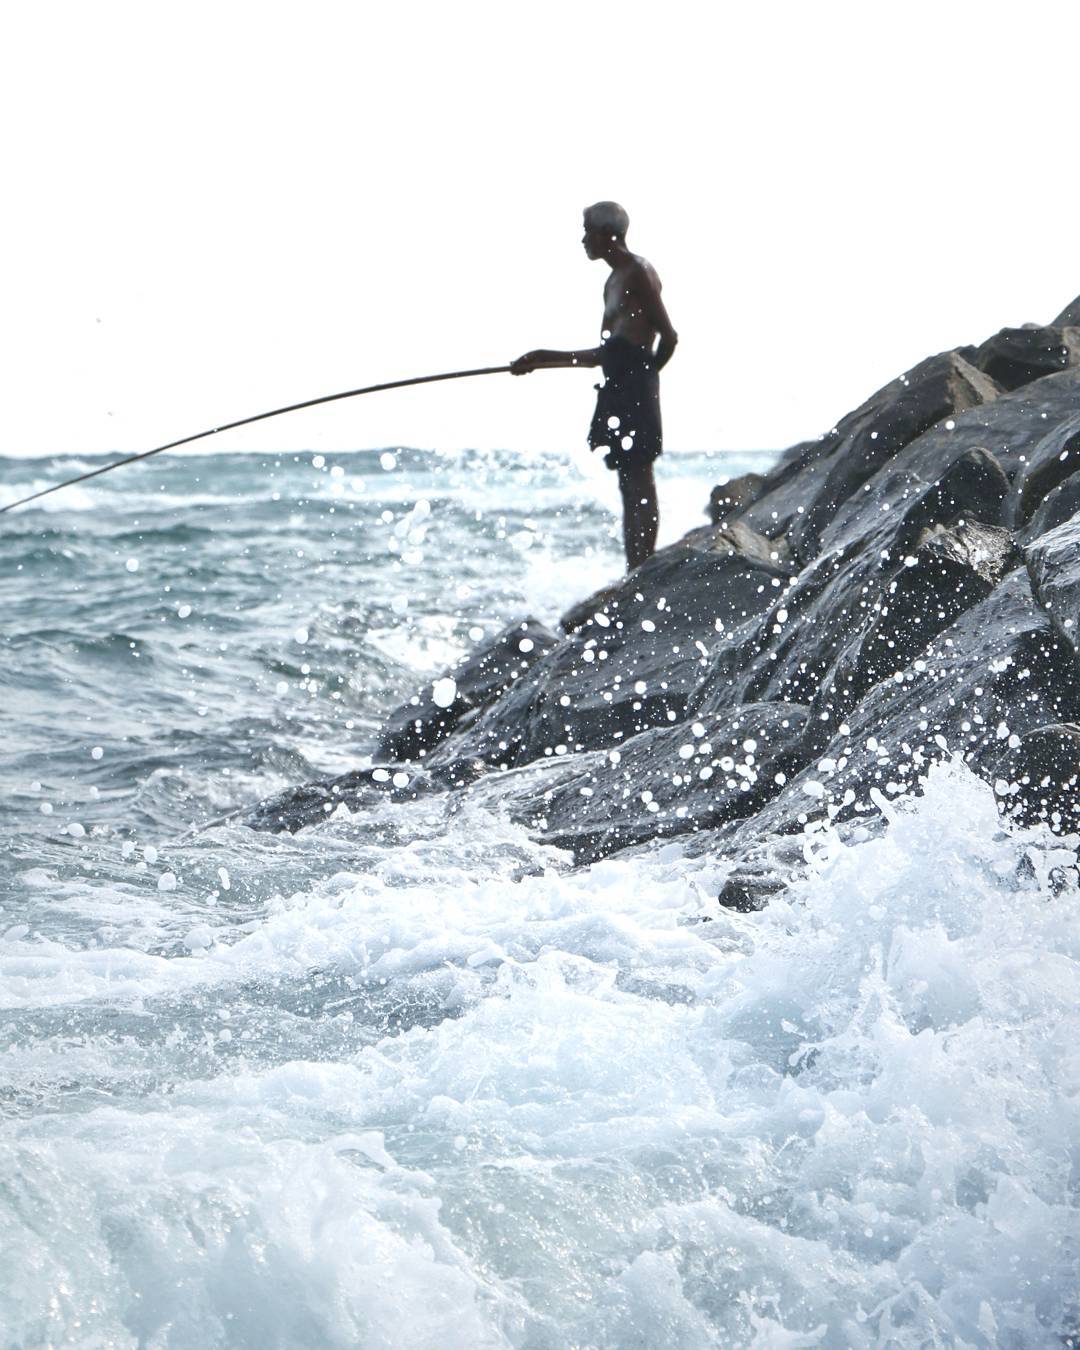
point(618, 255)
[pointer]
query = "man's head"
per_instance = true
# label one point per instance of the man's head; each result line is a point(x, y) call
point(606, 224)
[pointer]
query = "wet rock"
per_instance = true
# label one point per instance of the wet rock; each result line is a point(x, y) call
point(728, 499)
point(1051, 461)
point(863, 610)
point(933, 391)
point(313, 802)
point(1054, 564)
point(1016, 356)
point(1058, 506)
point(478, 680)
point(1000, 437)
point(634, 663)
point(1040, 778)
point(1069, 316)
point(667, 781)
point(747, 891)
point(805, 489)
point(1001, 670)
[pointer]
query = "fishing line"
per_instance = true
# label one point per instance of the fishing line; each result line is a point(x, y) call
point(259, 417)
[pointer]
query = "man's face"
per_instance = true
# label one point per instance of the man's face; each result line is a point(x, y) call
point(593, 242)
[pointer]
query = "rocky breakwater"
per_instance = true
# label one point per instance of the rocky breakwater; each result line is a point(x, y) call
point(904, 588)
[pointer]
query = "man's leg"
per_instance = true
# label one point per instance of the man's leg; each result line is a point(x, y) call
point(641, 512)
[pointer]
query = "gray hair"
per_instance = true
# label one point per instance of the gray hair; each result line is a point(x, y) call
point(607, 216)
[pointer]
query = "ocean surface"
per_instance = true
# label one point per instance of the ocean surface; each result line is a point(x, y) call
point(407, 1079)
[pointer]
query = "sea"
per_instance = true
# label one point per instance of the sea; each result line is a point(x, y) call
point(409, 1079)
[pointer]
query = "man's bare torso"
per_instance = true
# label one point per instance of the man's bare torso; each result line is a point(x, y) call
point(624, 302)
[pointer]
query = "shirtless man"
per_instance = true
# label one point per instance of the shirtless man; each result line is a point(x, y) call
point(627, 418)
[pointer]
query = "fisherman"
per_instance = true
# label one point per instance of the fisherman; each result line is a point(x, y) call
point(637, 341)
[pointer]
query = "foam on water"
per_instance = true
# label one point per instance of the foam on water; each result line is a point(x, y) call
point(408, 1078)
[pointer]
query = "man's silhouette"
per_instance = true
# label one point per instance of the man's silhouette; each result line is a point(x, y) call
point(627, 418)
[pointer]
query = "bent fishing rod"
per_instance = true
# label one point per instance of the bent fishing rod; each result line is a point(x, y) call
point(259, 417)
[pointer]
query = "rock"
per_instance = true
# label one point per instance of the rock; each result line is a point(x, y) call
point(746, 891)
point(634, 663)
point(1059, 505)
point(1054, 565)
point(1069, 316)
point(666, 781)
point(1040, 778)
point(1006, 432)
point(298, 807)
point(999, 671)
point(835, 623)
point(948, 571)
point(933, 391)
point(805, 489)
point(1016, 356)
point(478, 680)
point(1050, 461)
point(728, 499)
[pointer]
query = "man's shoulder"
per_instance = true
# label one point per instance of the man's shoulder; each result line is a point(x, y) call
point(642, 269)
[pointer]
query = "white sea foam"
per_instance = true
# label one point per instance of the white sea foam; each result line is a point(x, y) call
point(849, 1120)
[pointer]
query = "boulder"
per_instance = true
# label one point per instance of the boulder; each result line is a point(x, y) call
point(1069, 316)
point(805, 488)
point(728, 499)
point(999, 672)
point(666, 781)
point(298, 807)
point(1016, 356)
point(633, 664)
point(1059, 505)
point(1040, 778)
point(836, 621)
point(1049, 462)
point(478, 680)
point(1007, 431)
point(1054, 565)
point(933, 391)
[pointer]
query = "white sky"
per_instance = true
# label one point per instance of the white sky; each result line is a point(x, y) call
point(212, 209)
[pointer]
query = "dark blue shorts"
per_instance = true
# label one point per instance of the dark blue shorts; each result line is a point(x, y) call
point(630, 393)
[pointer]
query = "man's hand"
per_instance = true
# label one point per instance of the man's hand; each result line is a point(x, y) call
point(527, 363)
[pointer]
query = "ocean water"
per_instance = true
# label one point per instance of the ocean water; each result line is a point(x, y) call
point(407, 1078)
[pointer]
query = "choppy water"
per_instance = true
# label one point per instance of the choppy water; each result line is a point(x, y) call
point(407, 1079)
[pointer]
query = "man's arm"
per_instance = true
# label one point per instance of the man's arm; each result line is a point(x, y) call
point(542, 357)
point(653, 308)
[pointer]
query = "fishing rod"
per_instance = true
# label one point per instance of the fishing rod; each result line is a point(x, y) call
point(259, 417)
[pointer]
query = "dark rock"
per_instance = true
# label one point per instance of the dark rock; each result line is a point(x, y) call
point(1007, 431)
point(728, 499)
point(948, 571)
point(1054, 564)
point(1040, 778)
point(298, 807)
point(1000, 670)
point(746, 891)
point(1053, 459)
point(1069, 316)
point(862, 611)
point(933, 391)
point(634, 663)
point(667, 781)
point(480, 678)
point(814, 477)
point(1059, 505)
point(1016, 356)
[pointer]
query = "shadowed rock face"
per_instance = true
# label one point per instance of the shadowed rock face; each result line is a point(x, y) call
point(1054, 564)
point(903, 589)
point(667, 781)
point(478, 680)
point(1016, 356)
point(633, 664)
